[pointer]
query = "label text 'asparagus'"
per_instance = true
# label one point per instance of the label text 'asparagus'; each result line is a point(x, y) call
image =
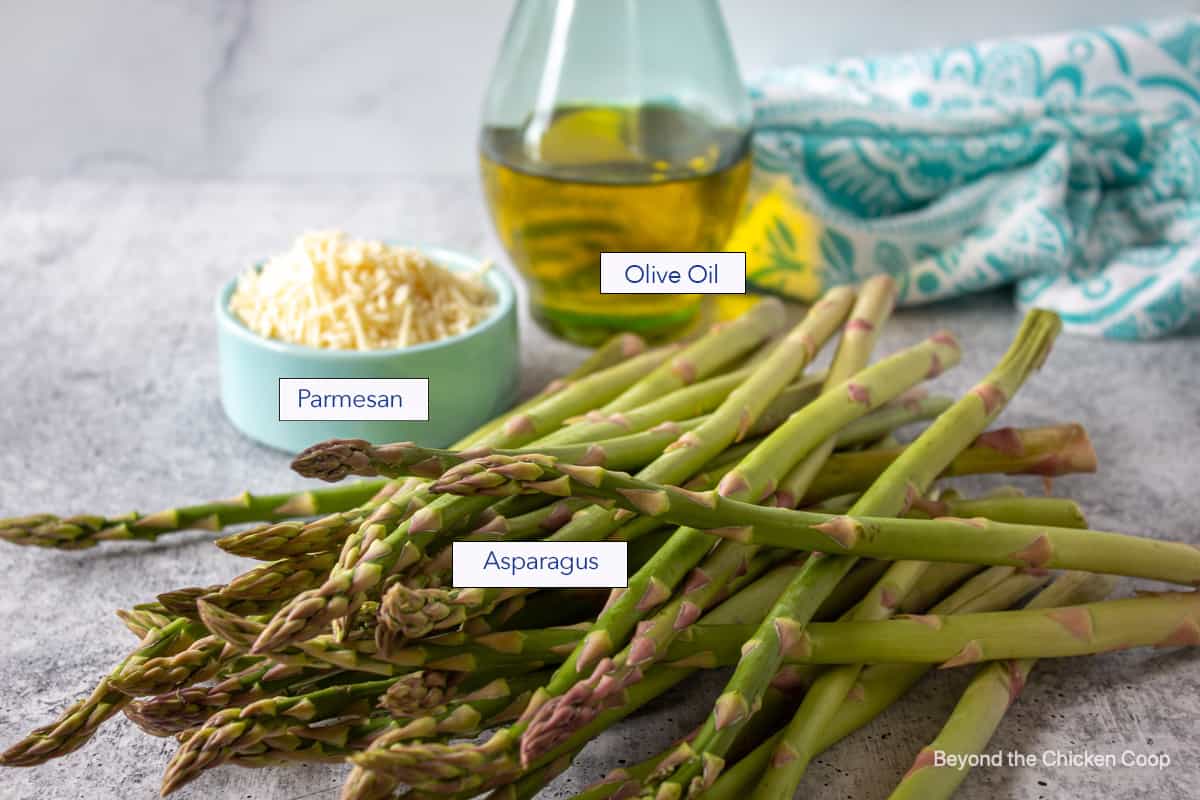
point(540, 565)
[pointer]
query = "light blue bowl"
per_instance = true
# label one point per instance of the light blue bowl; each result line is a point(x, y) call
point(472, 376)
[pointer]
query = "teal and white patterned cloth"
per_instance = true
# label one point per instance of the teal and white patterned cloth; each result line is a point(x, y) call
point(1068, 164)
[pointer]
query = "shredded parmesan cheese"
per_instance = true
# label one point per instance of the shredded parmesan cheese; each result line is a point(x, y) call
point(338, 293)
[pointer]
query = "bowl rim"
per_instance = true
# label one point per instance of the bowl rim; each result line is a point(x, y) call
point(451, 259)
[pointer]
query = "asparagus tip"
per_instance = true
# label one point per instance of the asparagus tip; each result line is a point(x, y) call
point(334, 460)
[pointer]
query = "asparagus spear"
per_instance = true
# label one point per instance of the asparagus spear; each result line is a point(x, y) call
point(720, 346)
point(335, 459)
point(283, 539)
point(1047, 451)
point(76, 725)
point(754, 477)
point(172, 712)
point(548, 411)
point(1165, 619)
point(912, 406)
point(616, 350)
point(232, 729)
point(142, 619)
point(993, 689)
point(89, 530)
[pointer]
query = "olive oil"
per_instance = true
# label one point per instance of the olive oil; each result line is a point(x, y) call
point(564, 187)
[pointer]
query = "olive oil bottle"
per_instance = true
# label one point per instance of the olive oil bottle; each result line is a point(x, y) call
point(596, 179)
point(612, 127)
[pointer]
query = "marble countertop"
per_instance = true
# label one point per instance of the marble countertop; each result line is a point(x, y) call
point(109, 402)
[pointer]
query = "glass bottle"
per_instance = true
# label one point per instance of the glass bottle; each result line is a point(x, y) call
point(612, 126)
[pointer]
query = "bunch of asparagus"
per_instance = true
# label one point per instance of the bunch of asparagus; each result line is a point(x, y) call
point(775, 525)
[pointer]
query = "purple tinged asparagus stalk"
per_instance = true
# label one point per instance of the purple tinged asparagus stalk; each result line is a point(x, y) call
point(752, 479)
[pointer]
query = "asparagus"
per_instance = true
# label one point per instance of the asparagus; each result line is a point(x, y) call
point(88, 530)
point(1047, 451)
point(550, 518)
point(329, 744)
point(1164, 619)
point(233, 729)
point(1053, 511)
point(915, 405)
point(720, 346)
point(283, 539)
point(144, 618)
point(76, 725)
point(417, 692)
point(172, 712)
point(198, 662)
point(335, 459)
point(695, 400)
point(617, 348)
point(548, 411)
point(909, 477)
point(993, 689)
point(752, 478)
point(615, 351)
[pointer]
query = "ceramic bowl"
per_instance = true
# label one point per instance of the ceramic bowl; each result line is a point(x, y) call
point(472, 376)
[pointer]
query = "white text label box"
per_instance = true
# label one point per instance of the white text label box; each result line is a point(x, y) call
point(541, 565)
point(340, 399)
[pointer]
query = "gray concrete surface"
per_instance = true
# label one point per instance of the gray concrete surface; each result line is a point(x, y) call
point(108, 402)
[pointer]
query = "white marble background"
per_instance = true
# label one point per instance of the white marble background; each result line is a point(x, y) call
point(311, 88)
